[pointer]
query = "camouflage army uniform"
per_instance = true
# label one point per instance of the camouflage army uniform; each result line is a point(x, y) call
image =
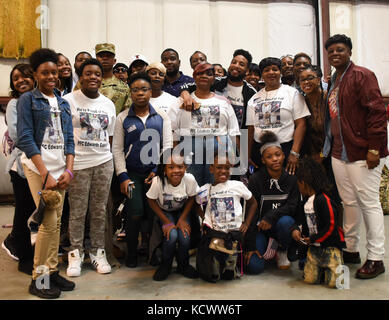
point(118, 92)
point(92, 184)
point(322, 259)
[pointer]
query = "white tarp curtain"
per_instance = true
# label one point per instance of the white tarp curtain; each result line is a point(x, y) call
point(149, 26)
point(366, 23)
point(215, 27)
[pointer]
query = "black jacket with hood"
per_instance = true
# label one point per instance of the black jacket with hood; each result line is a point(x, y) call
point(276, 198)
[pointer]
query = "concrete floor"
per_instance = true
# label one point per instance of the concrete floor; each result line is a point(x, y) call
point(133, 284)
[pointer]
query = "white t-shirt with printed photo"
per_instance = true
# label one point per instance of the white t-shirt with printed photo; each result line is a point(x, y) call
point(311, 217)
point(235, 97)
point(53, 143)
point(276, 111)
point(164, 101)
point(171, 198)
point(93, 124)
point(224, 210)
point(214, 117)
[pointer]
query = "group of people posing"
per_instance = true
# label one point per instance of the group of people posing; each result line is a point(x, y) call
point(245, 165)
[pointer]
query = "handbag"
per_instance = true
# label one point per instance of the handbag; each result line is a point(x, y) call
point(37, 216)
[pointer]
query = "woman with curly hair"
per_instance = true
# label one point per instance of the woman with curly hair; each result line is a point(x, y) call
point(45, 135)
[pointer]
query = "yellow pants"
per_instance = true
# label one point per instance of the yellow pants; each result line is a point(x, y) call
point(327, 259)
point(47, 241)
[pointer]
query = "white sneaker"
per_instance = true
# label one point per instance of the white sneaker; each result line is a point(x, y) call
point(100, 262)
point(75, 263)
point(282, 260)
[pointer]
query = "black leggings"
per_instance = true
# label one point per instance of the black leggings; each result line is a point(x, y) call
point(24, 207)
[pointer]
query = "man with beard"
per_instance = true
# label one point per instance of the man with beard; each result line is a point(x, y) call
point(78, 61)
point(233, 86)
point(174, 79)
point(287, 75)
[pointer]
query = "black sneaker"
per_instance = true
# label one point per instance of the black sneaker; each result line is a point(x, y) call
point(26, 267)
point(293, 251)
point(131, 261)
point(227, 275)
point(52, 293)
point(155, 261)
point(296, 251)
point(188, 272)
point(61, 283)
point(351, 257)
point(10, 248)
point(162, 272)
point(62, 251)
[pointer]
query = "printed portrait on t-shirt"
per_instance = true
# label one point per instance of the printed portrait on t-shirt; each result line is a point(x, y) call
point(268, 114)
point(53, 134)
point(235, 97)
point(222, 209)
point(170, 202)
point(312, 223)
point(93, 126)
point(239, 113)
point(205, 119)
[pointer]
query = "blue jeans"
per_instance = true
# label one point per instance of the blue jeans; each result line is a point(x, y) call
point(281, 231)
point(176, 236)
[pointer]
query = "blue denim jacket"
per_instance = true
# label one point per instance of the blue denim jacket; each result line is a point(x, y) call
point(33, 116)
point(133, 128)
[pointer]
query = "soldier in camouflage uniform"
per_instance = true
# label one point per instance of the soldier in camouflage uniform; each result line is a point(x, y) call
point(118, 92)
point(113, 88)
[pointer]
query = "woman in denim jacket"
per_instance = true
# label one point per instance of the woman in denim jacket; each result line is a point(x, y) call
point(45, 135)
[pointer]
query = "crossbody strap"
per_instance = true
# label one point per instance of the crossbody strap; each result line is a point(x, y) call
point(44, 183)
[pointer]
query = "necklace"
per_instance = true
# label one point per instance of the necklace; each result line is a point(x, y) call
point(273, 95)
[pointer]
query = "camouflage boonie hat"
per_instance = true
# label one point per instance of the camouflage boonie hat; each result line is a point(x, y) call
point(105, 47)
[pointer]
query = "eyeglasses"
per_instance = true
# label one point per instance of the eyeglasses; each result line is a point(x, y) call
point(144, 90)
point(310, 78)
point(120, 70)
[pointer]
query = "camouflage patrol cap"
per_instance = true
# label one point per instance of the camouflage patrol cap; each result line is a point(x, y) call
point(105, 47)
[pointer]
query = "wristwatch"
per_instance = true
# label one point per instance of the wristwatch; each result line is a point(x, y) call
point(375, 152)
point(297, 155)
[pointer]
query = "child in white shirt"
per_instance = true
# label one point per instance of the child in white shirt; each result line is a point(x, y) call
point(224, 219)
point(171, 197)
